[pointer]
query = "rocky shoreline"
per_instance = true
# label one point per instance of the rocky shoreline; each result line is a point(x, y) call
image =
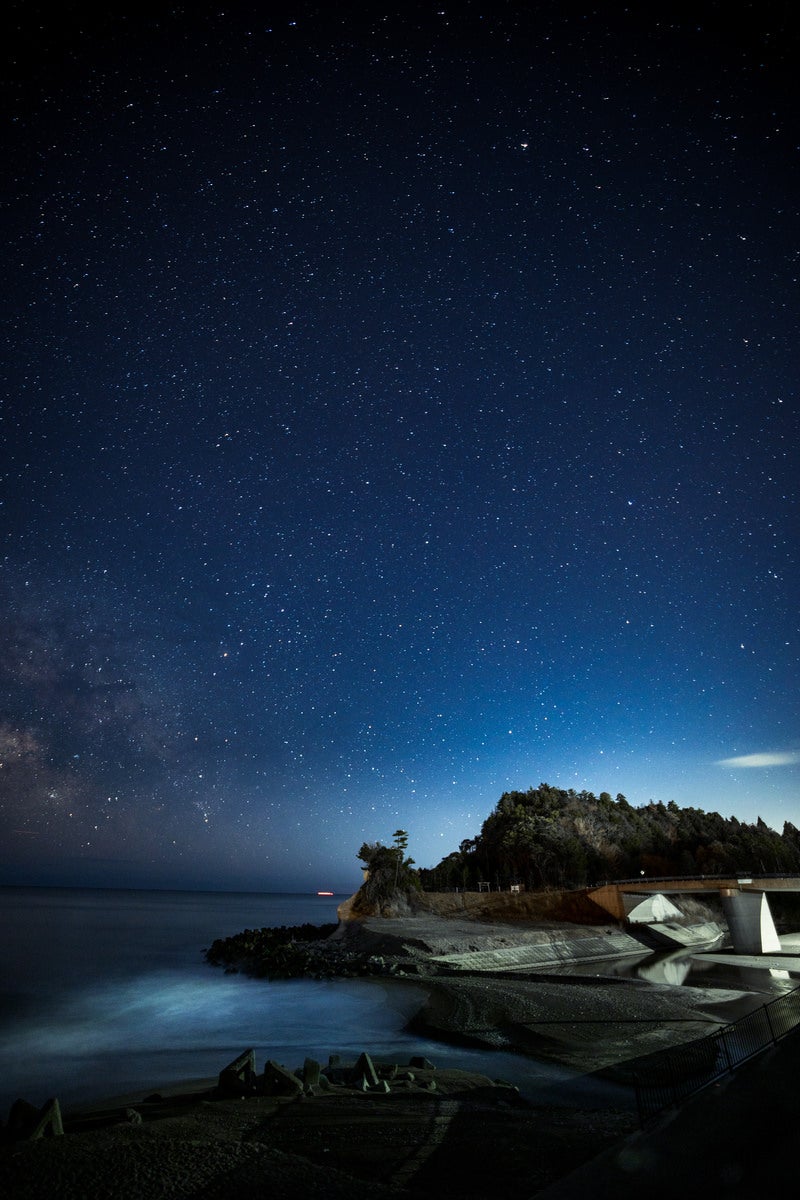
point(587, 1021)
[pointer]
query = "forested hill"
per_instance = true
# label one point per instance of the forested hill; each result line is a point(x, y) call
point(547, 837)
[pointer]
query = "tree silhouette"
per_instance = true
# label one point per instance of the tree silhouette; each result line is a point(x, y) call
point(548, 837)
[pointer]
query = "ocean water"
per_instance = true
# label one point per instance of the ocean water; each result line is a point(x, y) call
point(106, 992)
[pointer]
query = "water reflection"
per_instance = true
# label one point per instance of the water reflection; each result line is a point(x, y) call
point(671, 968)
point(693, 967)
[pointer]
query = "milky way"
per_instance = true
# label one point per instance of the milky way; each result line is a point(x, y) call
point(400, 407)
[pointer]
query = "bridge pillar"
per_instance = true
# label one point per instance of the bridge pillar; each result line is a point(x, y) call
point(750, 921)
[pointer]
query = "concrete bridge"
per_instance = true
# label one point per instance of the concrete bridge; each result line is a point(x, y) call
point(744, 902)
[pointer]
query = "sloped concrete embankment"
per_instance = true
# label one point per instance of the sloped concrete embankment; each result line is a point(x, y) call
point(537, 956)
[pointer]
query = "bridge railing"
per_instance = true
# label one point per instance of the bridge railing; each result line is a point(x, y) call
point(672, 1075)
point(738, 876)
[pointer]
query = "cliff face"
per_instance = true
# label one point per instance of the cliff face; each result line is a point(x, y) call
point(573, 907)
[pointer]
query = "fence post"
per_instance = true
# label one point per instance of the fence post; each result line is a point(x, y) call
point(673, 1078)
point(723, 1033)
point(769, 1024)
point(637, 1083)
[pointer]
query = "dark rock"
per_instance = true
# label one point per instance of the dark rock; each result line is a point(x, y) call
point(239, 1077)
point(21, 1119)
point(311, 1075)
point(366, 1068)
point(28, 1123)
point(277, 1081)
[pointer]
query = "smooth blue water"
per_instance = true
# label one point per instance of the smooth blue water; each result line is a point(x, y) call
point(107, 992)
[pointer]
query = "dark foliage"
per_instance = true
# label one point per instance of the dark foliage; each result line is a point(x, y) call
point(391, 879)
point(547, 837)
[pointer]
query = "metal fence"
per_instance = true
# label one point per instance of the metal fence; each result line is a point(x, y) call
point(672, 1075)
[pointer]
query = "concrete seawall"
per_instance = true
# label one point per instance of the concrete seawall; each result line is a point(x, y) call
point(548, 954)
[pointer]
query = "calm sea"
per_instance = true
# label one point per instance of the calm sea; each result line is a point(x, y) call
point(107, 992)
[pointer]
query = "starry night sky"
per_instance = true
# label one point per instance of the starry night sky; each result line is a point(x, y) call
point(400, 407)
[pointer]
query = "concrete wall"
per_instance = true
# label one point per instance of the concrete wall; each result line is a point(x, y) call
point(574, 907)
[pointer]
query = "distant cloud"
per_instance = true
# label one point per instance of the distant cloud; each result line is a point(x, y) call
point(779, 759)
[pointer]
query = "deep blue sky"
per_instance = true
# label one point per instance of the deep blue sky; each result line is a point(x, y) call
point(400, 407)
